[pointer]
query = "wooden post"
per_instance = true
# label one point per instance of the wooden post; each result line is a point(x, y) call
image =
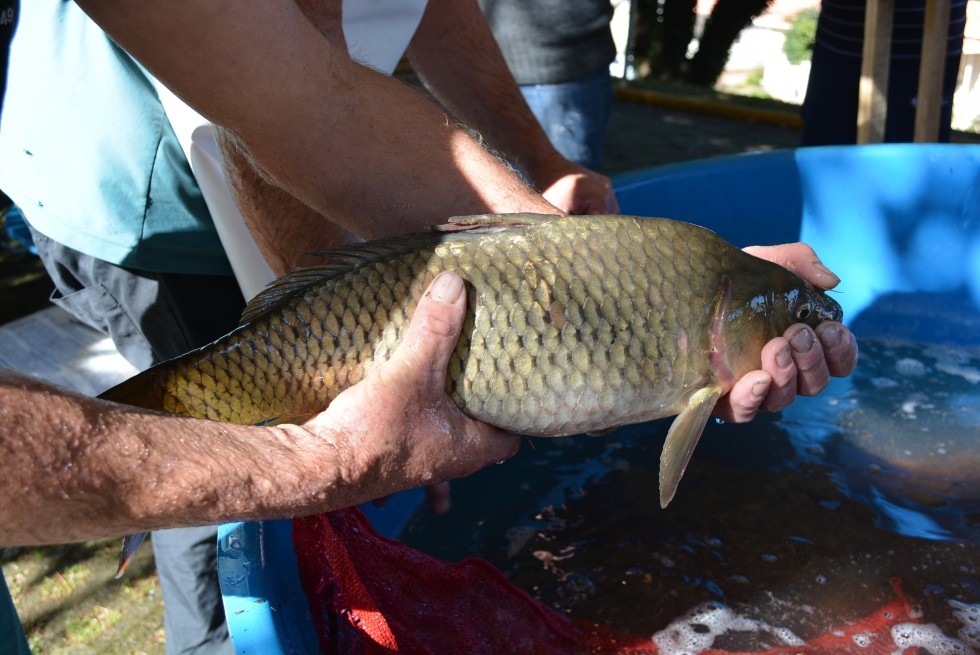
point(873, 89)
point(929, 99)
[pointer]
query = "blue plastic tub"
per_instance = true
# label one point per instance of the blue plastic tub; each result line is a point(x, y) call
point(890, 220)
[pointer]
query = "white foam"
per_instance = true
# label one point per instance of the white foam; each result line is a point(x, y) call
point(969, 616)
point(929, 637)
point(696, 631)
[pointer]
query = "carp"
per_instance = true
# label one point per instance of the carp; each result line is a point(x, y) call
point(574, 324)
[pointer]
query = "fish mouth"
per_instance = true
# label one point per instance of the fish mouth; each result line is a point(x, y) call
point(830, 310)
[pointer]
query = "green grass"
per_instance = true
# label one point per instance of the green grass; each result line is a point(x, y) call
point(69, 602)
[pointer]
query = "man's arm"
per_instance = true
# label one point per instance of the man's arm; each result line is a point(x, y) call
point(456, 56)
point(78, 468)
point(363, 149)
point(368, 151)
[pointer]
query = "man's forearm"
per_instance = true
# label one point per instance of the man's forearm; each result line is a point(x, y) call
point(356, 145)
point(80, 468)
point(77, 468)
point(476, 84)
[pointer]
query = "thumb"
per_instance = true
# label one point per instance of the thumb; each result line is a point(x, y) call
point(799, 258)
point(433, 331)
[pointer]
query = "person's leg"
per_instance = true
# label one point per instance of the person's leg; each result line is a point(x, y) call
point(151, 318)
point(193, 614)
point(574, 115)
point(830, 106)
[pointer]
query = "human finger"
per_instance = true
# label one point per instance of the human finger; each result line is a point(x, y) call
point(428, 344)
point(799, 258)
point(582, 191)
point(744, 401)
point(840, 348)
point(812, 371)
point(777, 360)
point(433, 331)
point(439, 498)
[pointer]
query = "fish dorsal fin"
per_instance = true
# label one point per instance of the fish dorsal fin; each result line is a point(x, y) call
point(337, 262)
point(283, 288)
point(344, 259)
point(493, 223)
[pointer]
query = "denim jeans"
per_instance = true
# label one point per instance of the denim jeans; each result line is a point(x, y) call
point(152, 317)
point(574, 115)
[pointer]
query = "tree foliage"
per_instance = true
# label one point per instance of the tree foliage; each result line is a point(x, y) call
point(665, 27)
point(800, 36)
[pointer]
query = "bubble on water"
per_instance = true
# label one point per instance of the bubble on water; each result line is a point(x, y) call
point(910, 368)
point(697, 630)
point(788, 637)
point(929, 637)
point(861, 640)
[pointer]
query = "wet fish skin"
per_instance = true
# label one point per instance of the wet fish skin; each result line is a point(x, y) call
point(574, 324)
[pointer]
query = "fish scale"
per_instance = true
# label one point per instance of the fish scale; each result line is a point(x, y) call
point(574, 324)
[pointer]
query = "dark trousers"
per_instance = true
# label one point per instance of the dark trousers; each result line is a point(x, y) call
point(152, 317)
point(830, 107)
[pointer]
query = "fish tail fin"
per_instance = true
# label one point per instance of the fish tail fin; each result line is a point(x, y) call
point(131, 543)
point(682, 438)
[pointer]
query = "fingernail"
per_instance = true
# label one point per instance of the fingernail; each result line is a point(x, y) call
point(760, 389)
point(784, 358)
point(802, 341)
point(833, 279)
point(831, 336)
point(446, 288)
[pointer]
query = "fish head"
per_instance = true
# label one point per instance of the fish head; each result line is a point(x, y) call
point(763, 306)
point(801, 303)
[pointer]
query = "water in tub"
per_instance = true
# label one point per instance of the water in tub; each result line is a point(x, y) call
point(785, 529)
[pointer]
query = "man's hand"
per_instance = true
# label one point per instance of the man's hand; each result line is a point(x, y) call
point(577, 190)
point(401, 429)
point(803, 359)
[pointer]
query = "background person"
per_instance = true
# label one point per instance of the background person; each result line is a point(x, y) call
point(559, 51)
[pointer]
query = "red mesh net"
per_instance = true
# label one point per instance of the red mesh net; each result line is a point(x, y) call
point(369, 595)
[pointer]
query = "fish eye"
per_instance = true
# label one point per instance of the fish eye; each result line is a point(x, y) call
point(803, 312)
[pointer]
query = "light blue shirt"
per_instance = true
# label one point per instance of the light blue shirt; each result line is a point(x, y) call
point(88, 154)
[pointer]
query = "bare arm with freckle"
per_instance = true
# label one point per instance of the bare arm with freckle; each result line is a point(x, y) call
point(77, 468)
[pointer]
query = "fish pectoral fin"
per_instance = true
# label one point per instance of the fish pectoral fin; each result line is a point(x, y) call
point(131, 544)
point(682, 438)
